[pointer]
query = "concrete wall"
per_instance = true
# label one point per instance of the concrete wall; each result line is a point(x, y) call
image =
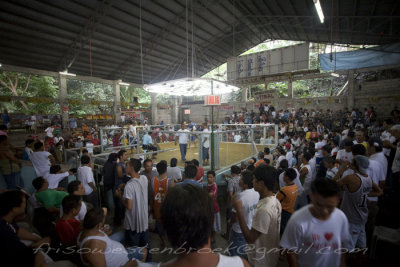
point(383, 95)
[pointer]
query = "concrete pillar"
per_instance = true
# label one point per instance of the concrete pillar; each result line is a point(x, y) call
point(350, 90)
point(117, 101)
point(175, 110)
point(63, 96)
point(290, 89)
point(154, 111)
point(244, 94)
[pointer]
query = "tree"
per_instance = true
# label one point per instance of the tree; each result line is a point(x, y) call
point(19, 84)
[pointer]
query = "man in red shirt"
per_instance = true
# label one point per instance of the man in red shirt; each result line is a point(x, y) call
point(200, 171)
point(68, 228)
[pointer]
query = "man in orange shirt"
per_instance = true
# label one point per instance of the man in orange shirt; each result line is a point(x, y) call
point(287, 195)
point(260, 159)
point(160, 186)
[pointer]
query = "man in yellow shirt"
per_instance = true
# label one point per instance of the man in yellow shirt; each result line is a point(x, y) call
point(287, 195)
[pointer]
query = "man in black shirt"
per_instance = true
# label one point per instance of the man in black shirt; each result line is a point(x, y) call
point(12, 250)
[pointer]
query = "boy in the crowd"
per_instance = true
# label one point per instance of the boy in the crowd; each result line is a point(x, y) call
point(264, 232)
point(287, 195)
point(68, 227)
point(319, 225)
point(51, 199)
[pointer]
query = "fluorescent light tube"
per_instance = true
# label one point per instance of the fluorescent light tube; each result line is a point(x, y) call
point(67, 73)
point(319, 10)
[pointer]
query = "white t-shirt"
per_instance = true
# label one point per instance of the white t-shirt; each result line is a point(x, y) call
point(330, 173)
point(49, 131)
point(345, 133)
point(335, 150)
point(136, 190)
point(387, 136)
point(377, 174)
point(318, 148)
point(266, 220)
point(132, 131)
point(85, 175)
point(237, 138)
point(343, 155)
point(380, 157)
point(174, 173)
point(279, 161)
point(28, 151)
point(206, 143)
point(289, 157)
point(315, 241)
point(249, 198)
point(308, 179)
point(54, 179)
point(58, 139)
point(122, 118)
point(41, 162)
point(89, 147)
point(183, 136)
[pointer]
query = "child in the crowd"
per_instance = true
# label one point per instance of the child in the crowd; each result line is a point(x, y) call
point(287, 195)
point(212, 190)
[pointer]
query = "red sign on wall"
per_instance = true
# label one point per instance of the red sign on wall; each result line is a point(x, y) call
point(212, 100)
point(187, 111)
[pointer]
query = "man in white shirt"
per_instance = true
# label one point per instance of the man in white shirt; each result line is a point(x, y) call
point(345, 155)
point(375, 152)
point(316, 232)
point(183, 136)
point(41, 160)
point(237, 137)
point(318, 148)
point(135, 200)
point(122, 118)
point(206, 144)
point(55, 177)
point(132, 136)
point(85, 175)
point(264, 232)
point(76, 188)
point(249, 198)
point(49, 131)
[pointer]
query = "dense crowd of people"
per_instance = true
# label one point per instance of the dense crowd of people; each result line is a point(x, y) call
point(314, 197)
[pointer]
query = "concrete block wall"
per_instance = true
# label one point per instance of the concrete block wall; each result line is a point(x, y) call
point(383, 95)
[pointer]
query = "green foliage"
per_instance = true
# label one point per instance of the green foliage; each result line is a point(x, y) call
point(129, 92)
point(39, 86)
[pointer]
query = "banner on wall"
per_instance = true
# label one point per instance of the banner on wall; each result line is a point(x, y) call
point(226, 107)
point(132, 114)
point(279, 60)
point(265, 96)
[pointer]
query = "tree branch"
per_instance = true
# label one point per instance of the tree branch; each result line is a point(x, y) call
point(27, 84)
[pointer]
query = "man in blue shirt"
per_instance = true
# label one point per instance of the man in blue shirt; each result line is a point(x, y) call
point(6, 119)
point(148, 144)
point(190, 174)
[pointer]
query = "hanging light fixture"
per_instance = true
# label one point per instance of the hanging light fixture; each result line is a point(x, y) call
point(190, 86)
point(318, 7)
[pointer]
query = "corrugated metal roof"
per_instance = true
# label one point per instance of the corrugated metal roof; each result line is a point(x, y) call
point(55, 35)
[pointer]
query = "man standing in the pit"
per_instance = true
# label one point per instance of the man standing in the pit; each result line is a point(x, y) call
point(183, 136)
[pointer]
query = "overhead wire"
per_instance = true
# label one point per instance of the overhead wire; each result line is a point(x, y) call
point(140, 38)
